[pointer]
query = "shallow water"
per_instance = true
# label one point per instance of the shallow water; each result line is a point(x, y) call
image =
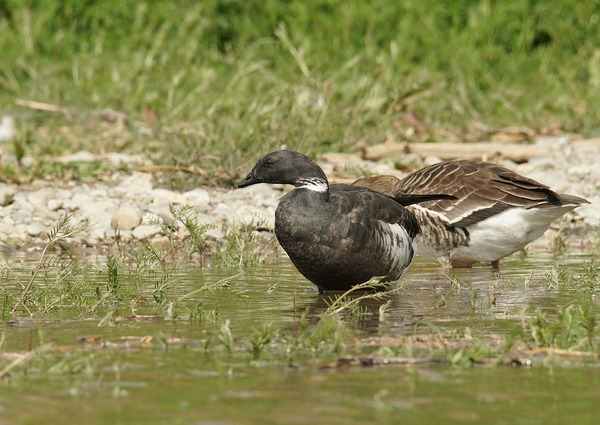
point(186, 384)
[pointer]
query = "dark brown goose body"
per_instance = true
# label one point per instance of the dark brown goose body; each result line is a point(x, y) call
point(337, 236)
point(495, 213)
point(347, 239)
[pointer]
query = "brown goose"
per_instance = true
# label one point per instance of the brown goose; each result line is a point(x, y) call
point(341, 235)
point(495, 212)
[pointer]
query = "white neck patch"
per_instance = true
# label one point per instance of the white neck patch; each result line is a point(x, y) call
point(315, 184)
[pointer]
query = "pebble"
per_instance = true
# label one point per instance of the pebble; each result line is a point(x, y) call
point(7, 128)
point(145, 231)
point(130, 207)
point(81, 156)
point(198, 198)
point(36, 228)
point(128, 216)
point(7, 194)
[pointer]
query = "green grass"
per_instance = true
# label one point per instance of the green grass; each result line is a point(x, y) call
point(217, 82)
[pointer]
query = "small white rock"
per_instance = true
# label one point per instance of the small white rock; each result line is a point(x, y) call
point(164, 197)
point(145, 231)
point(36, 228)
point(199, 198)
point(117, 159)
point(55, 204)
point(214, 234)
point(136, 184)
point(7, 128)
point(128, 216)
point(7, 194)
point(81, 156)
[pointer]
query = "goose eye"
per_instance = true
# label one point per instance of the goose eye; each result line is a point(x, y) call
point(269, 162)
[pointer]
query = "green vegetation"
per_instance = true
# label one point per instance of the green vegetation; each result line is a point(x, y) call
point(108, 327)
point(205, 86)
point(141, 283)
point(136, 276)
point(215, 82)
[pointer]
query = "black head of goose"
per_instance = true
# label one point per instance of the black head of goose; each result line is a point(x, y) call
point(495, 211)
point(337, 236)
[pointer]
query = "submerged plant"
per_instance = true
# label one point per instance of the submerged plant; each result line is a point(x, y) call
point(350, 300)
point(112, 274)
point(574, 327)
point(557, 276)
point(260, 338)
point(225, 336)
point(59, 233)
point(188, 218)
point(242, 248)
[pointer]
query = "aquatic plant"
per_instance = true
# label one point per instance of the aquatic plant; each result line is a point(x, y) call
point(61, 232)
point(572, 327)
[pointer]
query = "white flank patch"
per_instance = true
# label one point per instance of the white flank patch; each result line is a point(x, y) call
point(396, 240)
point(507, 232)
point(315, 184)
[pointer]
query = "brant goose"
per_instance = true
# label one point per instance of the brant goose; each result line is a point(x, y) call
point(341, 235)
point(495, 212)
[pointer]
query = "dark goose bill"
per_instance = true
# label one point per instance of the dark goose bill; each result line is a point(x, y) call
point(249, 180)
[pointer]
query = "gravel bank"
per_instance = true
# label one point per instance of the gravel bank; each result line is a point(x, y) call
point(132, 204)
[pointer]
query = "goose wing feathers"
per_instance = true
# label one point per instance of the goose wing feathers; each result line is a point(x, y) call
point(481, 190)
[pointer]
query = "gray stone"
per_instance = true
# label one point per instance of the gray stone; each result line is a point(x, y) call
point(590, 213)
point(36, 228)
point(431, 159)
point(6, 227)
point(41, 196)
point(214, 234)
point(7, 194)
point(81, 156)
point(7, 128)
point(145, 231)
point(127, 216)
point(136, 184)
point(130, 204)
point(164, 197)
point(117, 159)
point(251, 215)
point(199, 198)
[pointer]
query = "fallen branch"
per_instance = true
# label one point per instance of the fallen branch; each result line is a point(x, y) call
point(41, 106)
point(448, 151)
point(379, 361)
point(23, 358)
point(158, 168)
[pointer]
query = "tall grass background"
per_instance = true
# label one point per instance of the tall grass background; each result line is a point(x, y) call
point(217, 82)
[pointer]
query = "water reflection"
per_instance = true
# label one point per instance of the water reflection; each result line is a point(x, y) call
point(482, 297)
point(276, 293)
point(182, 385)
